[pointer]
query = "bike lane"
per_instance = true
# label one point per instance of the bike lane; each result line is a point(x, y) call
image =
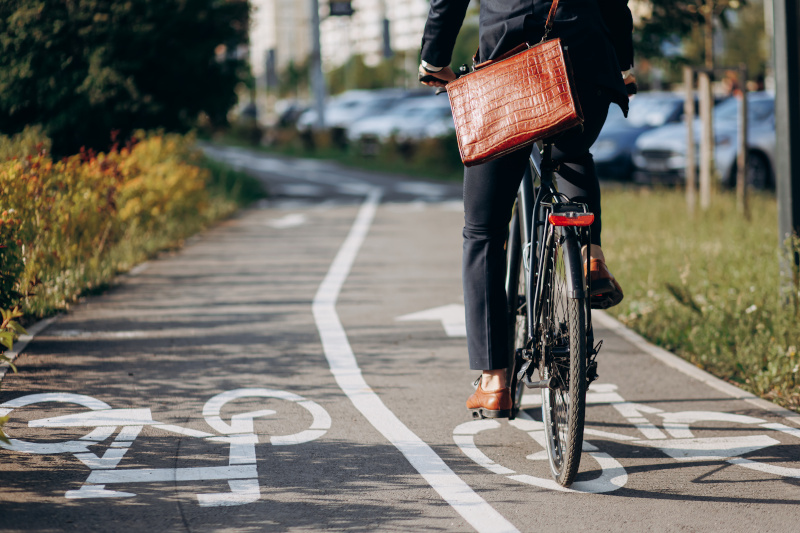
point(664, 450)
point(231, 311)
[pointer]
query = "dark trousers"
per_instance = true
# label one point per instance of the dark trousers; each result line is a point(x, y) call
point(489, 193)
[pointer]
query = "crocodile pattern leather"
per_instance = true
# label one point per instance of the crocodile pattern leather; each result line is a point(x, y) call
point(514, 102)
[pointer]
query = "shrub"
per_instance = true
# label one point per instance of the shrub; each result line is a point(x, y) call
point(9, 332)
point(71, 225)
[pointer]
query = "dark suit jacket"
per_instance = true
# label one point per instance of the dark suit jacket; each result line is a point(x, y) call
point(598, 34)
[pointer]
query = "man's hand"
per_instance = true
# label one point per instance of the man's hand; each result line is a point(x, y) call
point(440, 79)
point(630, 82)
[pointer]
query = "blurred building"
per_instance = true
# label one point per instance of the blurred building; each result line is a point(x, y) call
point(640, 9)
point(376, 29)
point(282, 26)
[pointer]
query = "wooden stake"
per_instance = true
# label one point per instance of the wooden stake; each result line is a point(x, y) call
point(706, 139)
point(691, 159)
point(741, 157)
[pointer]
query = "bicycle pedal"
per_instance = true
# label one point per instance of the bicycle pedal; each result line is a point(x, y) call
point(548, 383)
point(481, 413)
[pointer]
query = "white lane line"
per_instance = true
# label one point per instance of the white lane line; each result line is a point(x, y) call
point(23, 341)
point(298, 189)
point(344, 367)
point(288, 221)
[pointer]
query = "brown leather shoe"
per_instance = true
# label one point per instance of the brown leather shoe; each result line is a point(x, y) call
point(606, 292)
point(490, 404)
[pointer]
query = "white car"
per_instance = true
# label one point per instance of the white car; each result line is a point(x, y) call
point(350, 106)
point(660, 153)
point(413, 119)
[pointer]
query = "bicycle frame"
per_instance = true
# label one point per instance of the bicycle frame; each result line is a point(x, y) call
point(532, 209)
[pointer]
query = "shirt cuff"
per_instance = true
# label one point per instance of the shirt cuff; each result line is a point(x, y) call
point(430, 68)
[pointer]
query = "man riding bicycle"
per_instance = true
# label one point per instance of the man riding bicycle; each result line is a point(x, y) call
point(598, 35)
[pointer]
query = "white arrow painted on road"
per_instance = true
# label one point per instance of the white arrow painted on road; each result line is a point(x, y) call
point(451, 316)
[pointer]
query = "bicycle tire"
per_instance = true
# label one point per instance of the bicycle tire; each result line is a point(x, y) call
point(561, 334)
point(516, 276)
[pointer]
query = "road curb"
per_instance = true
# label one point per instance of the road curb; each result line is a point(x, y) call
point(37, 328)
point(23, 341)
point(681, 365)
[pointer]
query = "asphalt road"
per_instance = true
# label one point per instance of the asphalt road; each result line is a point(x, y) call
point(302, 367)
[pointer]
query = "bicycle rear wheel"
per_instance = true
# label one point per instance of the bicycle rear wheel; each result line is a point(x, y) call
point(561, 335)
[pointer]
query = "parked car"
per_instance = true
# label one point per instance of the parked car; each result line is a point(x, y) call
point(337, 109)
point(660, 154)
point(411, 120)
point(349, 107)
point(289, 111)
point(613, 150)
point(343, 110)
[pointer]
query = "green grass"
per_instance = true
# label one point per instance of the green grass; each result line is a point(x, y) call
point(706, 287)
point(227, 184)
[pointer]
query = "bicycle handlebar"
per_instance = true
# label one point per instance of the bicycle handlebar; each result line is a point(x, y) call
point(430, 77)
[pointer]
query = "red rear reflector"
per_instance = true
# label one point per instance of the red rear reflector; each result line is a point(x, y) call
point(572, 219)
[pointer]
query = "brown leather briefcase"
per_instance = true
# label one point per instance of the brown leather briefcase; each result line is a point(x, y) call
point(515, 100)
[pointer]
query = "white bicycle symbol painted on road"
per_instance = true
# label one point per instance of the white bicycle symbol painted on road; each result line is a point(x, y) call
point(676, 440)
point(239, 434)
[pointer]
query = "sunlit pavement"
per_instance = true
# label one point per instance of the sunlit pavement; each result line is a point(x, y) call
point(302, 367)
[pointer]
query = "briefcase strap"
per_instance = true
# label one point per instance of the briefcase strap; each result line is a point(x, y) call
point(550, 17)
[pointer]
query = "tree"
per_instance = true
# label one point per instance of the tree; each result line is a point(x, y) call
point(672, 20)
point(356, 74)
point(746, 41)
point(293, 81)
point(84, 68)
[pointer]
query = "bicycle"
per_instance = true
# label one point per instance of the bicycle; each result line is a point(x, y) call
point(557, 338)
point(549, 304)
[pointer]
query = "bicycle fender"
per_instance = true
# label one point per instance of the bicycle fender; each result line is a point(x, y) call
point(573, 263)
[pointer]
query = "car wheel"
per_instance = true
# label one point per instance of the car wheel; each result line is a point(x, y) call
point(759, 174)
